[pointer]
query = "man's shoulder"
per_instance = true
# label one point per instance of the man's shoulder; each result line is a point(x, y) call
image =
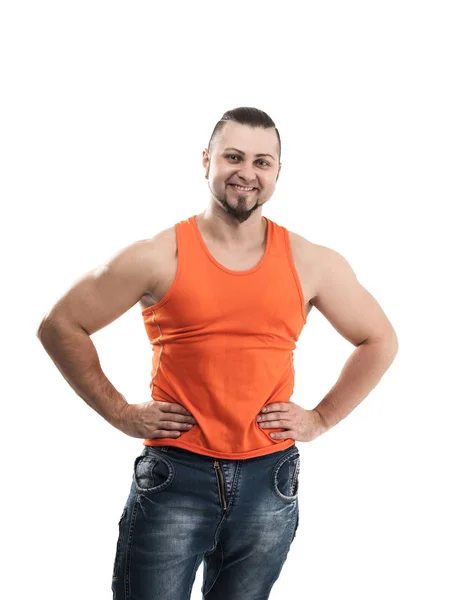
point(164, 236)
point(153, 253)
point(307, 251)
point(161, 245)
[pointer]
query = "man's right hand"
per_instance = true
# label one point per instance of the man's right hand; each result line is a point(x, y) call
point(155, 419)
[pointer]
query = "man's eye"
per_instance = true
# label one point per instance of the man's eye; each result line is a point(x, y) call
point(264, 162)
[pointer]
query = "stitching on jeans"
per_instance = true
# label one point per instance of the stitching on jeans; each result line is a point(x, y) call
point(120, 544)
point(276, 468)
point(218, 545)
point(294, 531)
point(285, 556)
point(294, 479)
point(128, 556)
point(152, 459)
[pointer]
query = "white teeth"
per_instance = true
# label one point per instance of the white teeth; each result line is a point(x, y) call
point(239, 187)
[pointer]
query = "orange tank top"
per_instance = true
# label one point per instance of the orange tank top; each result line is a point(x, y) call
point(223, 344)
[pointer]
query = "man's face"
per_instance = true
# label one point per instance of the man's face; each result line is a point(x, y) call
point(234, 160)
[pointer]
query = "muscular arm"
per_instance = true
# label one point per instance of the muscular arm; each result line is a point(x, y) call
point(358, 317)
point(94, 301)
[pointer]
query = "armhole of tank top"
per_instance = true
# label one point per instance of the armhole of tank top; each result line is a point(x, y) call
point(291, 262)
point(170, 290)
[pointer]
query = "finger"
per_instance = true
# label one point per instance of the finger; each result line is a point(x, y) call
point(273, 416)
point(269, 424)
point(280, 435)
point(161, 433)
point(178, 418)
point(270, 421)
point(173, 407)
point(284, 406)
point(172, 425)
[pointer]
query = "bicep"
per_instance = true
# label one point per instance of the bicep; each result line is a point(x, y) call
point(346, 304)
point(103, 294)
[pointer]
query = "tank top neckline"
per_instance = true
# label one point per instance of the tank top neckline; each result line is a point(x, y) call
point(269, 237)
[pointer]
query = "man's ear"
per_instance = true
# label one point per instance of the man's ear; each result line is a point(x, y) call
point(205, 161)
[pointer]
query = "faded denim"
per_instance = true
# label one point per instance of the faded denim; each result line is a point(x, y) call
point(238, 516)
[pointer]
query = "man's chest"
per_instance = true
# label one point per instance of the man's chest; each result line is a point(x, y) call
point(302, 254)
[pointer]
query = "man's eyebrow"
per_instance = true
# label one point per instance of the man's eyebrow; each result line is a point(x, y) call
point(242, 152)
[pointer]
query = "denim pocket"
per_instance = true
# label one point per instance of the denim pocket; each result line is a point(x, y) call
point(152, 472)
point(285, 476)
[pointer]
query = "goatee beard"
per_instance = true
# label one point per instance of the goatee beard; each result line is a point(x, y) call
point(238, 212)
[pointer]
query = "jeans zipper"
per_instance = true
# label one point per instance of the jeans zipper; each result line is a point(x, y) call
point(218, 469)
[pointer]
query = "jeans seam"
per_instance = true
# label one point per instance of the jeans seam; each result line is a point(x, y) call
point(128, 557)
point(218, 545)
point(120, 545)
point(286, 553)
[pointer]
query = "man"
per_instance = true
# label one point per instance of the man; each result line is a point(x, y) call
point(224, 296)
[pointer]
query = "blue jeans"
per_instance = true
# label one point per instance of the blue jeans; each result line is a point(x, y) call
point(238, 516)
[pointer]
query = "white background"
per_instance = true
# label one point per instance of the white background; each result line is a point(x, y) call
point(105, 110)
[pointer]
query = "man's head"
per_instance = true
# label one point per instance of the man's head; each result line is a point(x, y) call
point(244, 149)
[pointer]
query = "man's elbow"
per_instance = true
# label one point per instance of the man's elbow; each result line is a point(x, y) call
point(387, 340)
point(45, 326)
point(40, 328)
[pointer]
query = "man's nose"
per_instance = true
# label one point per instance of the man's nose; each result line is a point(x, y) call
point(247, 174)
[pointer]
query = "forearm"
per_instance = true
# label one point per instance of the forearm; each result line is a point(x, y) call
point(74, 354)
point(361, 373)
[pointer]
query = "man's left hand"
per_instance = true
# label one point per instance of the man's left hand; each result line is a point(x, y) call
point(299, 424)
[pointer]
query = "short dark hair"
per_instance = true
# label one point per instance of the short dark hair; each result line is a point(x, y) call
point(246, 115)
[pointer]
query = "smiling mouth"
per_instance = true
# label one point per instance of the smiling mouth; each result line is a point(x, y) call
point(243, 190)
